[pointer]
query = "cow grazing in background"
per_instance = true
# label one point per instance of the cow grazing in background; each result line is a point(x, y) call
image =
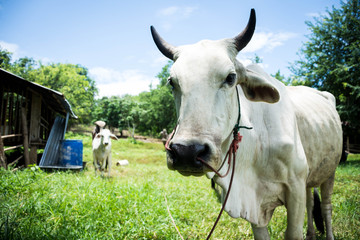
point(294, 145)
point(101, 147)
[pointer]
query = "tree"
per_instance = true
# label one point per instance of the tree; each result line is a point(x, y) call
point(5, 59)
point(282, 78)
point(21, 67)
point(158, 111)
point(158, 106)
point(330, 60)
point(117, 112)
point(164, 74)
point(256, 59)
point(71, 80)
point(24, 67)
point(277, 75)
point(108, 110)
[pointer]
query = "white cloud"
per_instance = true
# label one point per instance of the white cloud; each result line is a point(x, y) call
point(175, 11)
point(159, 62)
point(11, 47)
point(173, 14)
point(114, 83)
point(168, 11)
point(19, 53)
point(187, 11)
point(45, 60)
point(245, 60)
point(267, 41)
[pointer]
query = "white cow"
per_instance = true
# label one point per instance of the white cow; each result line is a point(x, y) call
point(101, 147)
point(295, 143)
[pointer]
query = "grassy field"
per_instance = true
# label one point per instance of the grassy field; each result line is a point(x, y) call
point(131, 204)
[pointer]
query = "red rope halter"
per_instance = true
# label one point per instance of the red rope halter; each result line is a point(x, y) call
point(231, 154)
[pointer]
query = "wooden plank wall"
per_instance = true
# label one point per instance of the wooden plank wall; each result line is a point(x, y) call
point(11, 102)
point(38, 119)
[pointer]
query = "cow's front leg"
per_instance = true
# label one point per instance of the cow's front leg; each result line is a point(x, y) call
point(102, 166)
point(260, 233)
point(295, 205)
point(96, 164)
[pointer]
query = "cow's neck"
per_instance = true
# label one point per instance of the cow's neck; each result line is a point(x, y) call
point(242, 201)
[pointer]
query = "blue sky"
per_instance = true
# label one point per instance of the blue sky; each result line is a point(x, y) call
point(112, 38)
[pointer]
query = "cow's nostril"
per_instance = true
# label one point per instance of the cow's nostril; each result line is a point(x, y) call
point(186, 156)
point(205, 153)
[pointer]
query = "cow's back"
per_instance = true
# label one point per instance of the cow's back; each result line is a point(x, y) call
point(320, 131)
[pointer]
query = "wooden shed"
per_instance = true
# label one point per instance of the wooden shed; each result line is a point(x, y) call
point(27, 114)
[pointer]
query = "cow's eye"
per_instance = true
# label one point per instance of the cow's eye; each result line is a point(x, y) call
point(98, 136)
point(230, 79)
point(170, 82)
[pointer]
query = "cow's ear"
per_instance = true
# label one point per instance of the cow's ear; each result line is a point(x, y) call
point(257, 86)
point(112, 136)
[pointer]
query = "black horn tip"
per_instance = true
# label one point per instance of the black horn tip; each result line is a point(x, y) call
point(152, 29)
point(166, 49)
point(245, 36)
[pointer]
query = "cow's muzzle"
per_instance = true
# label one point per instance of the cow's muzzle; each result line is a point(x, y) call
point(184, 158)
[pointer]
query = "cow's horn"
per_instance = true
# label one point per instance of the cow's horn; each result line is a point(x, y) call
point(244, 37)
point(165, 48)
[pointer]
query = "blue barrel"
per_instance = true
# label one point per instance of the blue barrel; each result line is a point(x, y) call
point(71, 153)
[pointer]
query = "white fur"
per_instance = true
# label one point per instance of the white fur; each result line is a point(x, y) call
point(101, 147)
point(295, 143)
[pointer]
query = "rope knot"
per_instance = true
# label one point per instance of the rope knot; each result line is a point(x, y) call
point(235, 142)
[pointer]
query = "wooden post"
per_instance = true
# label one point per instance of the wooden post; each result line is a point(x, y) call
point(25, 136)
point(2, 154)
point(66, 123)
point(35, 126)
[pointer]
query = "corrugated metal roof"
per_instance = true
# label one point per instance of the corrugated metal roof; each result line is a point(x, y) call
point(51, 153)
point(55, 99)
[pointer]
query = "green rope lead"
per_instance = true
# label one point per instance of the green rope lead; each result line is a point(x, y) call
point(237, 126)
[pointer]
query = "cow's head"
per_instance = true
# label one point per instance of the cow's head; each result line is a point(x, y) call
point(104, 137)
point(204, 78)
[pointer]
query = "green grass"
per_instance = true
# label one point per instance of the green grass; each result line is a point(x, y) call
point(131, 204)
point(346, 199)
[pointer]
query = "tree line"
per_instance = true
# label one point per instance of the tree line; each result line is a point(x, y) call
point(71, 80)
point(148, 113)
point(329, 61)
